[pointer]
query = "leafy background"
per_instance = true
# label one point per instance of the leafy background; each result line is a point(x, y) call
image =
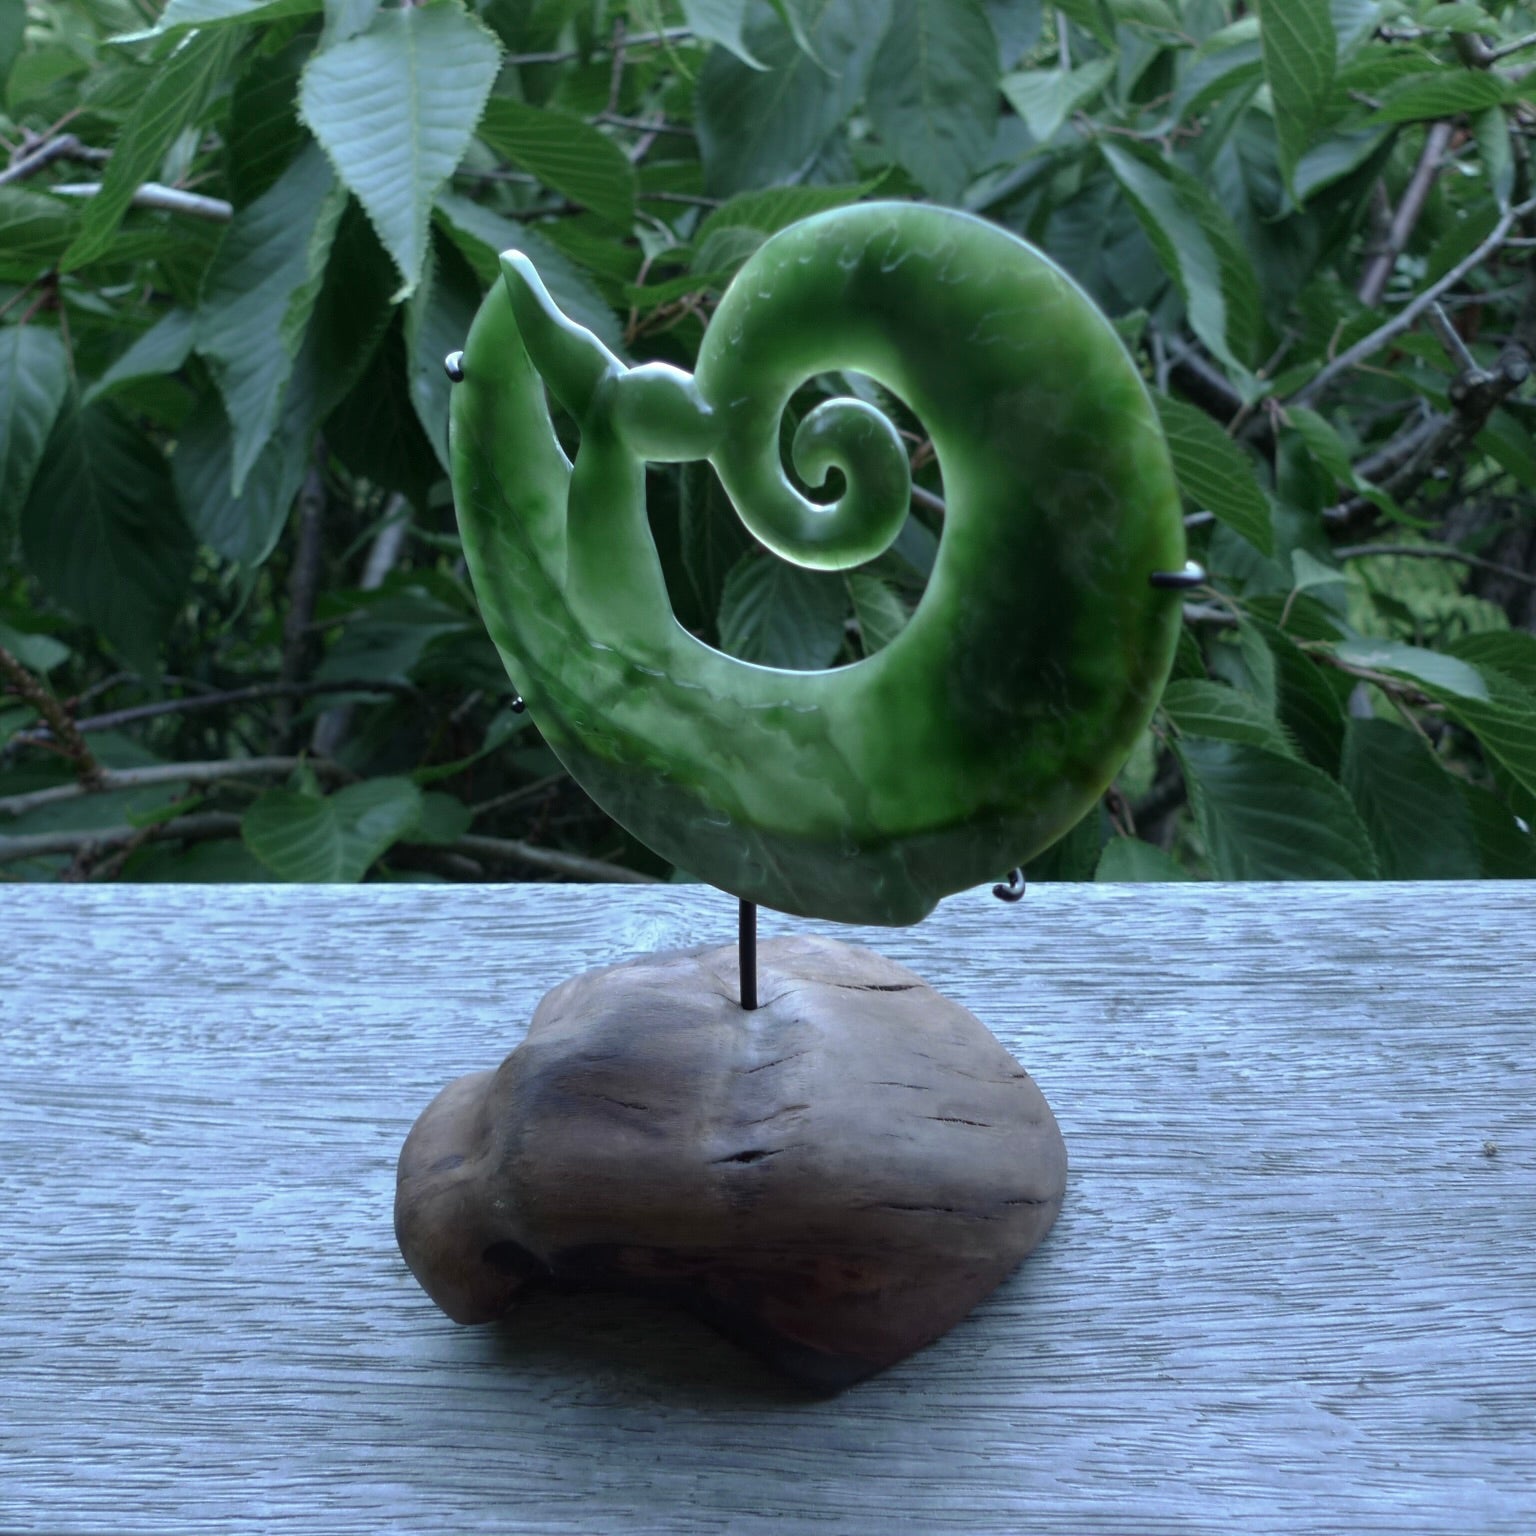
point(237, 238)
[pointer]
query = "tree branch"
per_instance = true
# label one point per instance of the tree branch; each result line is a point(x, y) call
point(41, 153)
point(195, 828)
point(303, 585)
point(639, 40)
point(165, 199)
point(503, 849)
point(1373, 280)
point(164, 773)
point(89, 772)
point(1436, 552)
point(1369, 345)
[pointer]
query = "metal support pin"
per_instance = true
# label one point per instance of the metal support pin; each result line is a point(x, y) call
point(517, 706)
point(453, 366)
point(1011, 889)
point(1193, 575)
point(746, 948)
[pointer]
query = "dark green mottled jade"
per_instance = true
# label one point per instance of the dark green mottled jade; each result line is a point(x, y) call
point(994, 720)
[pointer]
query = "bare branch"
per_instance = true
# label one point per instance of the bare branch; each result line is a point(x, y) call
point(1369, 345)
point(639, 40)
point(1436, 552)
point(579, 867)
point(196, 828)
point(1373, 281)
point(166, 773)
point(90, 773)
point(42, 153)
point(165, 199)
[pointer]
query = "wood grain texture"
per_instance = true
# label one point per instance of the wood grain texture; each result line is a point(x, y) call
point(1293, 1287)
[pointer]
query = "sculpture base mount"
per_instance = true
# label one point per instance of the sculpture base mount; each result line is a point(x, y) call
point(834, 1178)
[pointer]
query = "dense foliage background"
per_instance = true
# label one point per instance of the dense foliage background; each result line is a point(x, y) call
point(237, 238)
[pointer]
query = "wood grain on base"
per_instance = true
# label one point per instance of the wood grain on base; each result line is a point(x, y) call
point(1293, 1287)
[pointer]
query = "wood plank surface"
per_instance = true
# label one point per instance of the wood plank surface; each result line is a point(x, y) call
point(1293, 1288)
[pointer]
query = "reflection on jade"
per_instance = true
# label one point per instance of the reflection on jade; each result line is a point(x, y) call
point(994, 720)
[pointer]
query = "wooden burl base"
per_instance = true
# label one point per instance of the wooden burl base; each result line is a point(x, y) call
point(834, 1179)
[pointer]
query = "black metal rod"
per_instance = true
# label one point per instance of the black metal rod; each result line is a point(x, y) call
point(746, 945)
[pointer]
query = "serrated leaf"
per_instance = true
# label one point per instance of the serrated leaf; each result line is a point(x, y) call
point(1510, 651)
point(1504, 723)
point(771, 209)
point(712, 536)
point(1258, 662)
point(1232, 60)
point(1127, 859)
point(1201, 708)
point(565, 153)
point(1310, 573)
point(1505, 849)
point(35, 231)
point(1492, 129)
point(1443, 94)
point(721, 21)
point(1327, 447)
point(259, 295)
point(879, 609)
point(1268, 817)
point(1215, 473)
point(1046, 98)
point(1092, 17)
point(1446, 676)
point(763, 127)
point(781, 615)
point(301, 838)
point(179, 15)
point(1410, 805)
point(176, 93)
point(1299, 47)
point(346, 18)
point(34, 383)
point(1306, 704)
point(263, 135)
point(1196, 245)
point(482, 235)
point(40, 652)
point(395, 109)
point(1322, 164)
point(102, 533)
point(162, 349)
point(932, 93)
point(437, 319)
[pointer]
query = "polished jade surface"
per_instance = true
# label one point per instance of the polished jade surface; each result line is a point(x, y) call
point(994, 720)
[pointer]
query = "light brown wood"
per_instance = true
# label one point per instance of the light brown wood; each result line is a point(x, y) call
point(833, 1178)
point(1293, 1287)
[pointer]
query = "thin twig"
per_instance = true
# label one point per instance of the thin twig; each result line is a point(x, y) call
point(89, 773)
point(1450, 338)
point(165, 773)
point(1436, 552)
point(576, 865)
point(644, 125)
point(1373, 281)
point(165, 199)
point(639, 40)
point(1368, 346)
point(195, 828)
point(42, 153)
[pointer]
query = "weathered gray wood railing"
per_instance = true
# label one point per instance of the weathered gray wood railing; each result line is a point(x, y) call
point(1293, 1288)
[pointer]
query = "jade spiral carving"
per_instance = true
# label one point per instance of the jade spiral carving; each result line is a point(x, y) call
point(994, 720)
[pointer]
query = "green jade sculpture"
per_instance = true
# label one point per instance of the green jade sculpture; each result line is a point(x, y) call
point(837, 1174)
point(994, 720)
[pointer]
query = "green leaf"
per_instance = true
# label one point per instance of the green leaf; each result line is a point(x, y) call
point(1201, 708)
point(34, 382)
point(565, 153)
point(482, 235)
point(1268, 817)
point(1299, 46)
point(346, 18)
point(162, 349)
point(40, 652)
point(1510, 651)
point(721, 21)
point(1442, 94)
point(781, 615)
point(444, 819)
point(214, 14)
point(1321, 165)
point(880, 611)
point(437, 319)
point(1492, 130)
point(1215, 473)
point(1460, 18)
point(35, 231)
point(1411, 806)
point(1046, 98)
point(1091, 16)
point(764, 127)
point(774, 208)
point(1328, 448)
point(932, 94)
point(1445, 676)
point(13, 24)
point(335, 840)
point(1307, 705)
point(1504, 723)
point(259, 296)
point(176, 93)
point(712, 536)
point(1229, 61)
point(1506, 850)
point(1196, 245)
point(1511, 445)
point(263, 135)
point(102, 533)
point(395, 109)
point(1129, 859)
